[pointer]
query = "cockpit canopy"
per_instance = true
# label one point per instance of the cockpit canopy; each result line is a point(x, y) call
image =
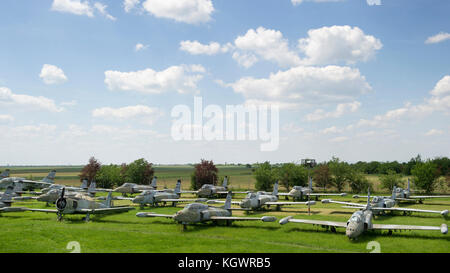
point(376, 199)
point(251, 195)
point(298, 188)
point(355, 219)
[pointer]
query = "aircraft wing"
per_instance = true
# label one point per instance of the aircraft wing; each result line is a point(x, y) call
point(233, 218)
point(312, 222)
point(429, 196)
point(325, 201)
point(222, 202)
point(150, 214)
point(289, 203)
point(404, 199)
point(283, 194)
point(327, 194)
point(106, 210)
point(185, 200)
point(188, 191)
point(444, 212)
point(12, 209)
point(44, 210)
point(443, 228)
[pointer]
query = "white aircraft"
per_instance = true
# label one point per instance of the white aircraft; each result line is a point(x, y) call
point(21, 184)
point(361, 221)
point(299, 192)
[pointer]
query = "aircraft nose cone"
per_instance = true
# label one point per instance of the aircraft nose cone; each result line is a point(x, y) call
point(61, 203)
point(245, 203)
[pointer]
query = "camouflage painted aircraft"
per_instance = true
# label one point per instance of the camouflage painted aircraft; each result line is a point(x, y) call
point(154, 197)
point(130, 188)
point(210, 190)
point(300, 193)
point(361, 221)
point(4, 174)
point(197, 212)
point(21, 184)
point(6, 200)
point(405, 195)
point(82, 204)
point(259, 200)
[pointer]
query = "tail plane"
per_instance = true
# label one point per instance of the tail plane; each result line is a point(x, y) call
point(50, 177)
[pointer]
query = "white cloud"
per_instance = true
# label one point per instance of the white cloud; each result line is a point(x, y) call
point(245, 60)
point(102, 9)
point(73, 6)
point(304, 85)
point(32, 130)
point(434, 132)
point(331, 130)
point(140, 47)
point(339, 139)
point(374, 2)
point(267, 44)
point(341, 109)
point(52, 74)
point(440, 37)
point(182, 79)
point(146, 114)
point(291, 127)
point(69, 103)
point(187, 11)
point(7, 97)
point(6, 118)
point(442, 87)
point(298, 2)
point(196, 48)
point(128, 5)
point(338, 44)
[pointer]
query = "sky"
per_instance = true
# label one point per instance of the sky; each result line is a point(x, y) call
point(356, 79)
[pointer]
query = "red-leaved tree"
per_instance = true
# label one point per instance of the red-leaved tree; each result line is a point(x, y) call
point(205, 173)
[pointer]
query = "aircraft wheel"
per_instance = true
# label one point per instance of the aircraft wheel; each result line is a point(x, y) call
point(333, 229)
point(390, 232)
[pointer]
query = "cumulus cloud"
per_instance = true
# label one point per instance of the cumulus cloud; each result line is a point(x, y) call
point(73, 6)
point(341, 109)
point(140, 47)
point(434, 132)
point(128, 5)
point(8, 98)
point(304, 85)
point(146, 114)
point(187, 11)
point(267, 44)
point(440, 37)
point(291, 127)
point(196, 48)
point(102, 9)
point(298, 2)
point(338, 44)
point(182, 79)
point(374, 2)
point(6, 118)
point(339, 139)
point(331, 130)
point(52, 74)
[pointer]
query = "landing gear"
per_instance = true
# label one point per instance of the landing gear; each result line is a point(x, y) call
point(333, 229)
point(59, 216)
point(87, 217)
point(278, 208)
point(390, 232)
point(228, 223)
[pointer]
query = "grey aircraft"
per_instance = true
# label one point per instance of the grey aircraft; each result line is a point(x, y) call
point(405, 195)
point(380, 204)
point(130, 188)
point(300, 193)
point(82, 204)
point(361, 221)
point(4, 174)
point(197, 212)
point(21, 184)
point(6, 200)
point(261, 200)
point(154, 197)
point(210, 190)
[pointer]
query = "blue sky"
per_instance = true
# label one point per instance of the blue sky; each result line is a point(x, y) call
point(374, 79)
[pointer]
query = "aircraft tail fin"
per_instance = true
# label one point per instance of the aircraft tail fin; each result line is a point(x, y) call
point(6, 196)
point(108, 201)
point(50, 177)
point(225, 182)
point(368, 207)
point(92, 186)
point(227, 205)
point(178, 187)
point(275, 189)
point(4, 174)
point(153, 184)
point(394, 193)
point(84, 184)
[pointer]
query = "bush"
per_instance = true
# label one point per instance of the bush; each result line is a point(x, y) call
point(359, 183)
point(340, 171)
point(139, 172)
point(205, 173)
point(391, 179)
point(322, 176)
point(109, 176)
point(425, 175)
point(290, 175)
point(90, 170)
point(265, 176)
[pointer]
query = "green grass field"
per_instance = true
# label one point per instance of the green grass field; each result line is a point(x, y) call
point(32, 232)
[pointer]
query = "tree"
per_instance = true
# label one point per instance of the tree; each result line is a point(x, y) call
point(265, 176)
point(205, 173)
point(290, 175)
point(359, 183)
point(340, 172)
point(90, 170)
point(109, 176)
point(391, 179)
point(322, 176)
point(139, 172)
point(425, 175)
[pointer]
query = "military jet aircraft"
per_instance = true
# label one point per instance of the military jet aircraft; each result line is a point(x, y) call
point(22, 184)
point(130, 188)
point(259, 200)
point(405, 195)
point(361, 221)
point(82, 204)
point(6, 200)
point(4, 174)
point(300, 193)
point(154, 197)
point(381, 204)
point(210, 190)
point(197, 212)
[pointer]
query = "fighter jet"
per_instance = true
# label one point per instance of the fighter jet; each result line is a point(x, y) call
point(6, 200)
point(82, 204)
point(300, 193)
point(197, 212)
point(154, 197)
point(405, 195)
point(210, 190)
point(21, 184)
point(130, 188)
point(260, 200)
point(4, 174)
point(361, 221)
